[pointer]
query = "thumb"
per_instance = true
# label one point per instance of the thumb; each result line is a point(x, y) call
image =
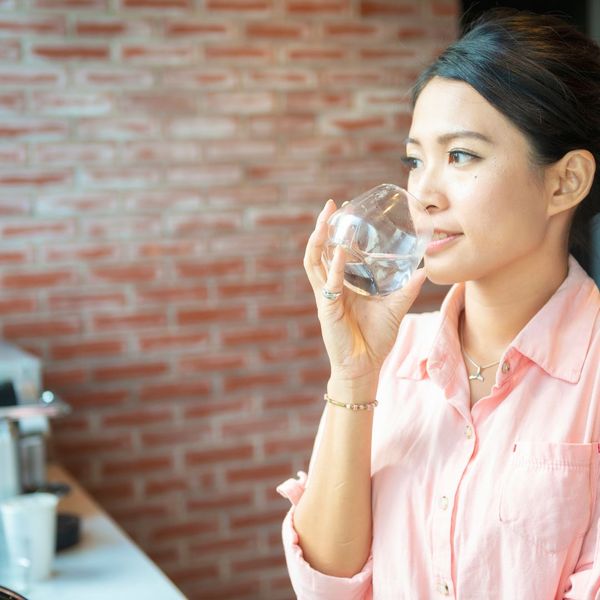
point(403, 299)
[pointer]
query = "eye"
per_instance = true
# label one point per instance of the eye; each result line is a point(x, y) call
point(460, 157)
point(410, 162)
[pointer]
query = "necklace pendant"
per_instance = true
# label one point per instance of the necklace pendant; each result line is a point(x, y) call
point(478, 376)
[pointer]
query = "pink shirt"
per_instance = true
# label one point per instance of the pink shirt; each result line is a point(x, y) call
point(495, 502)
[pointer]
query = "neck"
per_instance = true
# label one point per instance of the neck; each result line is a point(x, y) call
point(499, 306)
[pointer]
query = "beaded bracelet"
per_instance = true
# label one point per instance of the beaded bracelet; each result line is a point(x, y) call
point(368, 406)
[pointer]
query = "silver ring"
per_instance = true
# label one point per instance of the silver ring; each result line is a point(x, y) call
point(330, 295)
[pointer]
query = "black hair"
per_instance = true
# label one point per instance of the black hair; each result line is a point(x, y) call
point(544, 76)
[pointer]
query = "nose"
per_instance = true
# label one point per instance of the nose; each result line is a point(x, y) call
point(429, 191)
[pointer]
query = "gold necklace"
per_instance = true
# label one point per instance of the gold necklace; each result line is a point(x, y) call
point(477, 376)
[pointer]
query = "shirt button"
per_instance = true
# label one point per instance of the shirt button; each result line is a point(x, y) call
point(443, 588)
point(505, 367)
point(444, 502)
point(468, 432)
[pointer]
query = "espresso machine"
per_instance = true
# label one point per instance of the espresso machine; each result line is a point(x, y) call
point(25, 411)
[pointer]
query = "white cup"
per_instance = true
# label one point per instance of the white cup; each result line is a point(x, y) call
point(29, 523)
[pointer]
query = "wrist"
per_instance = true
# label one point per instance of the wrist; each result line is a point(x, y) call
point(353, 390)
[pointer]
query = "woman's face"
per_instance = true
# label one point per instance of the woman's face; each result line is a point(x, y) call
point(472, 168)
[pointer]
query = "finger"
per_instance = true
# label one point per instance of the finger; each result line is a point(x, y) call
point(404, 298)
point(314, 248)
point(335, 276)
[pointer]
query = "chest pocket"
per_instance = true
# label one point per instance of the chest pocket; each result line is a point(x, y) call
point(547, 492)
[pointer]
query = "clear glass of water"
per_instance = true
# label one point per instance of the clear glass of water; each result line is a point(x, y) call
point(384, 233)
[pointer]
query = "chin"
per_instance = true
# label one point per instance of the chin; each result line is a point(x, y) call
point(444, 276)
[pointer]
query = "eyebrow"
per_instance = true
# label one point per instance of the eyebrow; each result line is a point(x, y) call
point(446, 137)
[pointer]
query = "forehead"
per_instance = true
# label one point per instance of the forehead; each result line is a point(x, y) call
point(446, 105)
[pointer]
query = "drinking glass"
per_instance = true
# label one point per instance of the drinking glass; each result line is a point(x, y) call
point(384, 233)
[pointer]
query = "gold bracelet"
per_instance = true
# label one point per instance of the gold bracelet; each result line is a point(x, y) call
point(368, 406)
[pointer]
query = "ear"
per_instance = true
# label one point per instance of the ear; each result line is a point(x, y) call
point(571, 179)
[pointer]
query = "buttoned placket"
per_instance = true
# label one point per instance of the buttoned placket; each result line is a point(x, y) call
point(442, 522)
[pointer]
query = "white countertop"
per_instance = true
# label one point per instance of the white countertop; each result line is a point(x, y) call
point(105, 564)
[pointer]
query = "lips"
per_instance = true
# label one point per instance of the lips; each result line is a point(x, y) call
point(440, 234)
point(441, 239)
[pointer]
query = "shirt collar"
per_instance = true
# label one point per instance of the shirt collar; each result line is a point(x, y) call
point(557, 338)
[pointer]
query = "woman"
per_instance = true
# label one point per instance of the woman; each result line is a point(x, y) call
point(476, 477)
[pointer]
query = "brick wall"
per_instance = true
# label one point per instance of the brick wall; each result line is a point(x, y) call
point(162, 163)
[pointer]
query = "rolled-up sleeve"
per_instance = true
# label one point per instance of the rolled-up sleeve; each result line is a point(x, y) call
point(308, 583)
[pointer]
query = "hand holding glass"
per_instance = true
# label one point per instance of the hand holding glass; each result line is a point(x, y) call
point(384, 233)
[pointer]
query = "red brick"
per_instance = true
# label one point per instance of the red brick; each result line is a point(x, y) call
point(269, 30)
point(81, 253)
point(30, 24)
point(55, 154)
point(174, 436)
point(119, 129)
point(69, 4)
point(238, 53)
point(293, 353)
point(158, 54)
point(248, 290)
point(75, 51)
point(239, 103)
point(32, 129)
point(233, 384)
point(171, 341)
point(386, 8)
point(202, 269)
point(316, 54)
point(291, 400)
point(250, 426)
point(39, 228)
point(387, 54)
point(129, 321)
point(106, 443)
point(210, 315)
point(223, 546)
point(238, 6)
point(215, 408)
point(85, 349)
point(182, 531)
point(120, 490)
point(199, 225)
point(124, 273)
point(211, 362)
point(178, 390)
point(126, 514)
point(93, 398)
point(205, 176)
point(220, 502)
point(203, 78)
point(226, 591)
point(108, 27)
point(35, 178)
point(198, 28)
point(240, 149)
point(129, 370)
point(63, 378)
point(288, 310)
point(75, 300)
point(289, 78)
point(150, 152)
point(136, 465)
point(10, 50)
point(262, 563)
point(117, 77)
point(295, 445)
point(31, 77)
point(195, 574)
point(212, 455)
point(169, 294)
point(318, 7)
point(43, 327)
point(43, 279)
point(166, 485)
point(137, 418)
point(157, 4)
point(18, 305)
point(13, 154)
point(261, 519)
point(253, 335)
point(15, 257)
point(12, 102)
